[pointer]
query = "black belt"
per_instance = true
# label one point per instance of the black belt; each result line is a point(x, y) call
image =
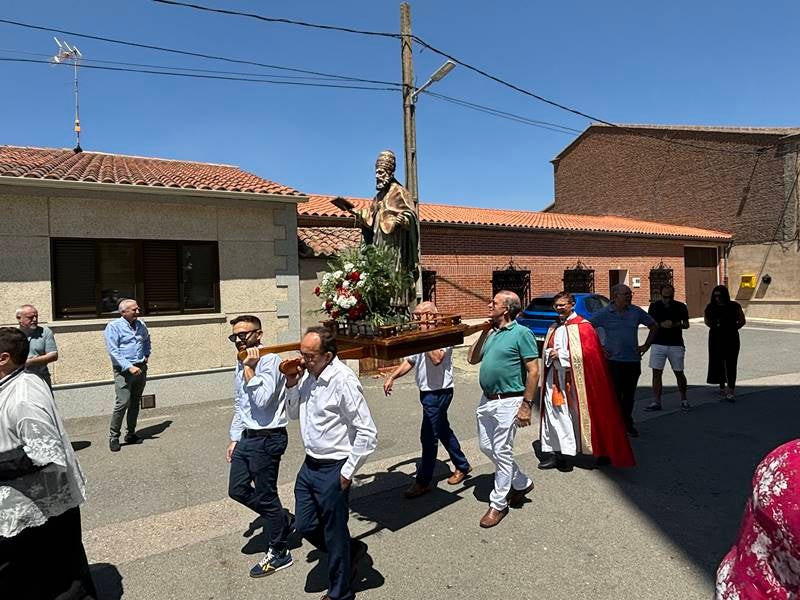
point(502, 395)
point(323, 462)
point(251, 433)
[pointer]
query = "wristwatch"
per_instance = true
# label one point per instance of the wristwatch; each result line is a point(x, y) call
point(528, 402)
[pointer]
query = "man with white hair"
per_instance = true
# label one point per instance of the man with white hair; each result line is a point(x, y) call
point(509, 377)
point(41, 341)
point(128, 344)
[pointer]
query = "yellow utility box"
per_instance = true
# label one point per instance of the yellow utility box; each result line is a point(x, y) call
point(748, 281)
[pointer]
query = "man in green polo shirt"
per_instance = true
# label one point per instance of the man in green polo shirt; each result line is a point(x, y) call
point(509, 377)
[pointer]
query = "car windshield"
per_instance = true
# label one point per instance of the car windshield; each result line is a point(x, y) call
point(595, 303)
point(545, 303)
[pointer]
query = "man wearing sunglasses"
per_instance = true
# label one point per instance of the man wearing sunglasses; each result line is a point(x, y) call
point(258, 441)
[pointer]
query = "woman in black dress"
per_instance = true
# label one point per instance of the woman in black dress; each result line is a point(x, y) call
point(725, 318)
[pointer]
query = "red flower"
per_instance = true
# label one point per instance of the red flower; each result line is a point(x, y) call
point(354, 276)
point(328, 304)
point(353, 313)
point(317, 291)
point(335, 313)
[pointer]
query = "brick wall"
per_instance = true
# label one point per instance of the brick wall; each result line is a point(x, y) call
point(464, 258)
point(616, 172)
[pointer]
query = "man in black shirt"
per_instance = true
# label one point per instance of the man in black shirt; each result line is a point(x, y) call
point(672, 318)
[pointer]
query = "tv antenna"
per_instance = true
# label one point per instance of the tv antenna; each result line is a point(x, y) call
point(70, 54)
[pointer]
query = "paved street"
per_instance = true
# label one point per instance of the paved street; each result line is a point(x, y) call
point(158, 524)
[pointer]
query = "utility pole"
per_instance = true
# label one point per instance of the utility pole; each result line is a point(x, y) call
point(409, 122)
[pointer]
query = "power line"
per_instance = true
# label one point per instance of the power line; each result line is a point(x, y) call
point(505, 115)
point(237, 13)
point(219, 77)
point(190, 69)
point(191, 53)
point(567, 108)
point(464, 64)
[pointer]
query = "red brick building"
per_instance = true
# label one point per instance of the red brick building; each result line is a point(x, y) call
point(742, 180)
point(465, 249)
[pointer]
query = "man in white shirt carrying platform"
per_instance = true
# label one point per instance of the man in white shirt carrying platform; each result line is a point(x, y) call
point(338, 434)
point(258, 441)
point(433, 371)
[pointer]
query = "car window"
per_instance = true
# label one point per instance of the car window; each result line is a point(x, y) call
point(545, 303)
point(595, 303)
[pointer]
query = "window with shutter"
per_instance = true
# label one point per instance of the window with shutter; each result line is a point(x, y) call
point(161, 283)
point(74, 278)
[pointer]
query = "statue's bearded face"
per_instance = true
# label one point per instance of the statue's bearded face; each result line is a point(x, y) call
point(383, 176)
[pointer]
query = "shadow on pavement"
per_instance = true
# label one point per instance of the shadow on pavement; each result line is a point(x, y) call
point(694, 469)
point(81, 445)
point(152, 432)
point(107, 581)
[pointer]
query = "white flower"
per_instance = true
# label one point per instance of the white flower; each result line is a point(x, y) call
point(346, 284)
point(362, 276)
point(337, 274)
point(326, 278)
point(360, 283)
point(348, 267)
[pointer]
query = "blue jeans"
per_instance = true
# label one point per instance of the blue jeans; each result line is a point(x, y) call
point(436, 428)
point(254, 482)
point(322, 509)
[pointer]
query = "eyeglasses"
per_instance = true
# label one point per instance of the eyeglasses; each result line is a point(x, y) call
point(241, 336)
point(560, 305)
point(309, 357)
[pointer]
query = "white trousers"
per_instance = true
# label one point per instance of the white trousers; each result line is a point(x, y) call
point(496, 431)
point(558, 430)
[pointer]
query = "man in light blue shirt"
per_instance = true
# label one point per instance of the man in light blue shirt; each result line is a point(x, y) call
point(128, 344)
point(618, 328)
point(259, 440)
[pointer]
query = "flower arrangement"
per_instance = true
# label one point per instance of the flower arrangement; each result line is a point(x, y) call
point(361, 285)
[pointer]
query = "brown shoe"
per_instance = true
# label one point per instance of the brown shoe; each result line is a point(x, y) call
point(417, 490)
point(516, 496)
point(457, 476)
point(492, 517)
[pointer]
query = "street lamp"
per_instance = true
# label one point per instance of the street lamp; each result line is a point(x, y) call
point(440, 74)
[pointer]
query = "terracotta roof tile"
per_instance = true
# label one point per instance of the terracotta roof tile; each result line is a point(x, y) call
point(326, 241)
point(320, 206)
point(97, 167)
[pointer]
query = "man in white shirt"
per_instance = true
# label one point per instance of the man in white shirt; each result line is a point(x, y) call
point(258, 441)
point(41, 487)
point(338, 434)
point(433, 371)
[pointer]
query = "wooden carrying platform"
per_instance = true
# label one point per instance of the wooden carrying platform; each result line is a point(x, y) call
point(393, 342)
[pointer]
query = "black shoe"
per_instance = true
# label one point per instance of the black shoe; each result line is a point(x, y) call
point(563, 464)
point(358, 550)
point(602, 461)
point(113, 444)
point(132, 438)
point(632, 431)
point(551, 462)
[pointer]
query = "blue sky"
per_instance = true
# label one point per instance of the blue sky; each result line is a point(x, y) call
point(711, 63)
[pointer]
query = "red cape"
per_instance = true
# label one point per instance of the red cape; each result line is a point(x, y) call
point(591, 380)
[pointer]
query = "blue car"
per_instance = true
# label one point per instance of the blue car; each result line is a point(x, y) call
point(540, 314)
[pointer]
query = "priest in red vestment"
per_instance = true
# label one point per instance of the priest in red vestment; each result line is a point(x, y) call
point(579, 411)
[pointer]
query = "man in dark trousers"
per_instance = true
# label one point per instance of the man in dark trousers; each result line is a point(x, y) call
point(618, 328)
point(672, 318)
point(338, 435)
point(258, 441)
